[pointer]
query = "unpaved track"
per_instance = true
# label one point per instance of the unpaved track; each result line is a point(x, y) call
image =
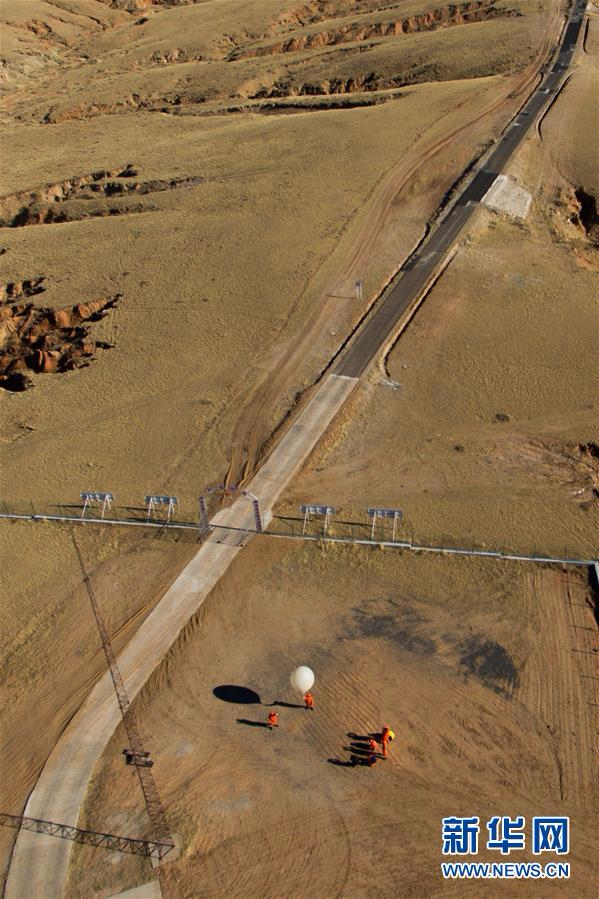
point(254, 424)
point(39, 863)
point(559, 685)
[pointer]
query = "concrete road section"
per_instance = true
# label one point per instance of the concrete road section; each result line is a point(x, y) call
point(149, 890)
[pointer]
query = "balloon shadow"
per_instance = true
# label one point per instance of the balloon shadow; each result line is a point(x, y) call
point(233, 693)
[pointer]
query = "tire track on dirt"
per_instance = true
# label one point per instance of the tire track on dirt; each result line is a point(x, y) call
point(557, 682)
point(254, 427)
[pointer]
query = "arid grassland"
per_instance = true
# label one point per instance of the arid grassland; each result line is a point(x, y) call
point(190, 191)
point(491, 432)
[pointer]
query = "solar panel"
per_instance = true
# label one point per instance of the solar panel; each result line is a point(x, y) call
point(318, 510)
point(385, 513)
point(159, 500)
point(94, 497)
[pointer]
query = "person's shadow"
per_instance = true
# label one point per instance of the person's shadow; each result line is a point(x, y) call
point(286, 705)
point(251, 723)
point(376, 736)
point(354, 761)
point(359, 748)
point(360, 751)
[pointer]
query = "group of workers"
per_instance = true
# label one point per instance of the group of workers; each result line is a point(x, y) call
point(273, 717)
point(386, 736)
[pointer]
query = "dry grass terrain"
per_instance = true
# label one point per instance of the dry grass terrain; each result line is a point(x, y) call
point(184, 215)
point(492, 430)
point(481, 669)
point(190, 191)
point(51, 653)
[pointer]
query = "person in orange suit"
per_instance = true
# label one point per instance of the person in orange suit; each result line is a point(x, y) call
point(373, 745)
point(386, 738)
point(273, 720)
point(309, 700)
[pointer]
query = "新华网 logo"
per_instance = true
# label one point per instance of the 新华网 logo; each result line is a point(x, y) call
point(504, 834)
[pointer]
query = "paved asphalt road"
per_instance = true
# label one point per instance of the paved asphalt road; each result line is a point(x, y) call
point(413, 277)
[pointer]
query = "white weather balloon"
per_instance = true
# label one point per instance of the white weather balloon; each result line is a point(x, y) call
point(302, 678)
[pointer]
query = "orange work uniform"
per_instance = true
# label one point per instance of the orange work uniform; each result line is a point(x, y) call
point(273, 719)
point(309, 700)
point(385, 737)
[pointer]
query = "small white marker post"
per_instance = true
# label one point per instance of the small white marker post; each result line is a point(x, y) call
point(359, 292)
point(306, 511)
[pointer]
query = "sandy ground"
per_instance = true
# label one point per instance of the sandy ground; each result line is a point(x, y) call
point(492, 716)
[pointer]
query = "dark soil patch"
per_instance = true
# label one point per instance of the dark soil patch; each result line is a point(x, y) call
point(587, 215)
point(589, 449)
point(490, 662)
point(395, 626)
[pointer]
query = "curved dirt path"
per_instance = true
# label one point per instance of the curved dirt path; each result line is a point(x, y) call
point(254, 424)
